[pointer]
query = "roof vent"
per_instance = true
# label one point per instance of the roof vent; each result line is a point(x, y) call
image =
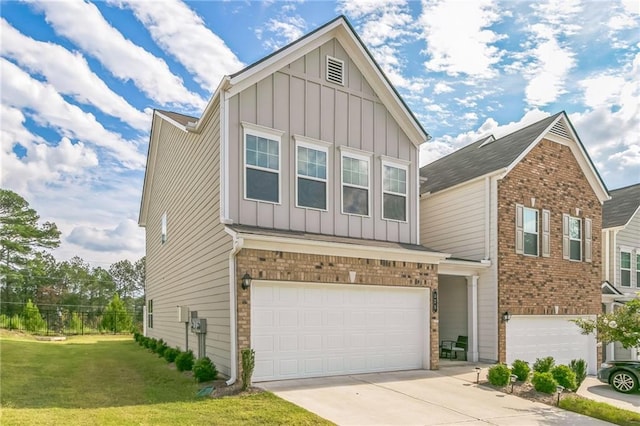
point(487, 140)
point(560, 129)
point(335, 70)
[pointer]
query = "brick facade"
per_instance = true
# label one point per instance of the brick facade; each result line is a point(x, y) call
point(299, 267)
point(530, 285)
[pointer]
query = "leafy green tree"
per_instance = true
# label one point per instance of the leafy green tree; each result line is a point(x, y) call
point(33, 321)
point(115, 317)
point(622, 325)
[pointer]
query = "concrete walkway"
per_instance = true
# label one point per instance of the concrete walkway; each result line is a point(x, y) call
point(445, 397)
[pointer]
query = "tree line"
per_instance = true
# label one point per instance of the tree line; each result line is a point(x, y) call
point(29, 272)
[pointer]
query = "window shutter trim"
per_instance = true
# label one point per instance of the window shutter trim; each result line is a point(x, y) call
point(588, 255)
point(546, 233)
point(565, 236)
point(519, 229)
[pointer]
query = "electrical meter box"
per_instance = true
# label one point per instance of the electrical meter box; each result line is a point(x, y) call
point(183, 313)
point(198, 325)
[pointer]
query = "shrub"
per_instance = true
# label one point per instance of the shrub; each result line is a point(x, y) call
point(499, 375)
point(75, 323)
point(116, 318)
point(248, 364)
point(544, 365)
point(15, 323)
point(544, 382)
point(204, 370)
point(136, 336)
point(184, 361)
point(161, 346)
point(170, 354)
point(32, 319)
point(579, 367)
point(521, 369)
point(565, 377)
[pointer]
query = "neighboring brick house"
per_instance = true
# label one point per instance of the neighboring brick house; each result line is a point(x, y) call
point(621, 257)
point(527, 207)
point(301, 174)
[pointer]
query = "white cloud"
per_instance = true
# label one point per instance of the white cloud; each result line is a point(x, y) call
point(48, 108)
point(179, 31)
point(124, 237)
point(458, 38)
point(83, 24)
point(69, 73)
point(442, 87)
point(278, 32)
point(548, 73)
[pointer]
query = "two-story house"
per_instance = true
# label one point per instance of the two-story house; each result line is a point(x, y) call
point(621, 257)
point(527, 207)
point(285, 219)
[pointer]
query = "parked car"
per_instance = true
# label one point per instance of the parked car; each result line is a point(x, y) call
point(623, 376)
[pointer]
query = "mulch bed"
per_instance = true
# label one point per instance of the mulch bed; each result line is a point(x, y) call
point(527, 391)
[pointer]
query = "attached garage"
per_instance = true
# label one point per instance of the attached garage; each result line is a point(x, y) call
point(532, 337)
point(312, 330)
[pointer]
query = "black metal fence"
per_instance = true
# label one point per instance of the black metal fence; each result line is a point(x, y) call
point(72, 320)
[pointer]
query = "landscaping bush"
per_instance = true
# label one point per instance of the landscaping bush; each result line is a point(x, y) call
point(204, 370)
point(136, 337)
point(544, 382)
point(116, 319)
point(521, 369)
point(15, 323)
point(170, 354)
point(499, 375)
point(161, 346)
point(75, 323)
point(544, 365)
point(579, 367)
point(565, 377)
point(32, 319)
point(248, 364)
point(184, 361)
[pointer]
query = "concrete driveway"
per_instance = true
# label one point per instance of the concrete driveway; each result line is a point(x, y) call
point(418, 398)
point(593, 388)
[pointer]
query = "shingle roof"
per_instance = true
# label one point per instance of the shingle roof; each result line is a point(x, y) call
point(179, 118)
point(619, 210)
point(476, 159)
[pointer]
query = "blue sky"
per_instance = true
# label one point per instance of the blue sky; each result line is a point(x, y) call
point(79, 82)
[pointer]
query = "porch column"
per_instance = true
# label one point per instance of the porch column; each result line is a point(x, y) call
point(472, 319)
point(610, 351)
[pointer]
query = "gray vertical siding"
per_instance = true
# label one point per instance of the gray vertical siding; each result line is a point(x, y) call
point(298, 101)
point(192, 267)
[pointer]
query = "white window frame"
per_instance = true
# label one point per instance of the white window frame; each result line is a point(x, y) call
point(629, 252)
point(163, 228)
point(638, 268)
point(357, 155)
point(401, 166)
point(150, 313)
point(267, 133)
point(318, 145)
point(573, 239)
point(537, 233)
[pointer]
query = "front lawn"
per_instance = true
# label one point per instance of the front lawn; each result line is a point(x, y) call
point(102, 380)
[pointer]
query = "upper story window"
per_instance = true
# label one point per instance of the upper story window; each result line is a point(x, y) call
point(638, 270)
point(311, 173)
point(394, 192)
point(355, 183)
point(625, 269)
point(261, 163)
point(163, 228)
point(150, 313)
point(576, 238)
point(530, 231)
point(533, 231)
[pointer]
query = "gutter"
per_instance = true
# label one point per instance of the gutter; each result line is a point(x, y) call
point(238, 243)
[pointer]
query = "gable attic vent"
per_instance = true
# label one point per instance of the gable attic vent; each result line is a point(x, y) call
point(560, 129)
point(335, 70)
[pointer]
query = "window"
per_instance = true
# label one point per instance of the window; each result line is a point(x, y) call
point(575, 238)
point(625, 269)
point(530, 231)
point(163, 228)
point(311, 178)
point(150, 313)
point(262, 163)
point(355, 184)
point(394, 192)
point(637, 270)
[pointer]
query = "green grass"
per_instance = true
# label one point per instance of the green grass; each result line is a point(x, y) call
point(601, 410)
point(106, 380)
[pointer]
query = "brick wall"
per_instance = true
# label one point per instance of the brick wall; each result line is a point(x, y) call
point(530, 285)
point(297, 267)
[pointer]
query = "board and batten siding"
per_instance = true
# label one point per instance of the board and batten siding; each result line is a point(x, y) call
point(628, 238)
point(297, 100)
point(453, 221)
point(192, 267)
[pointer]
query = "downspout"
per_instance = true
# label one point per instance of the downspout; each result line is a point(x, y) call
point(237, 246)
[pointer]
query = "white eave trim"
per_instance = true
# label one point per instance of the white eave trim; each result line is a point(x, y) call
point(500, 172)
point(172, 121)
point(462, 267)
point(327, 248)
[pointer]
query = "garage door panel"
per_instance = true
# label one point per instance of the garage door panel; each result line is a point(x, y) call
point(359, 332)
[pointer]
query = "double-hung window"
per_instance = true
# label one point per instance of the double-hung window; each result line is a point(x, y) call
point(533, 231)
point(575, 238)
point(394, 192)
point(638, 270)
point(311, 173)
point(163, 228)
point(355, 183)
point(530, 226)
point(625, 269)
point(261, 163)
point(150, 313)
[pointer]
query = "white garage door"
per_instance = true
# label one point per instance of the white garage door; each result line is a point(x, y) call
point(531, 337)
point(313, 330)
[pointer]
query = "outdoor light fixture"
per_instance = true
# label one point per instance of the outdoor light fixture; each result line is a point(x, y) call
point(478, 369)
point(513, 379)
point(246, 281)
point(506, 316)
point(559, 389)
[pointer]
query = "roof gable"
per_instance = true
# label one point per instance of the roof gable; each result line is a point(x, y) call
point(487, 156)
point(622, 207)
